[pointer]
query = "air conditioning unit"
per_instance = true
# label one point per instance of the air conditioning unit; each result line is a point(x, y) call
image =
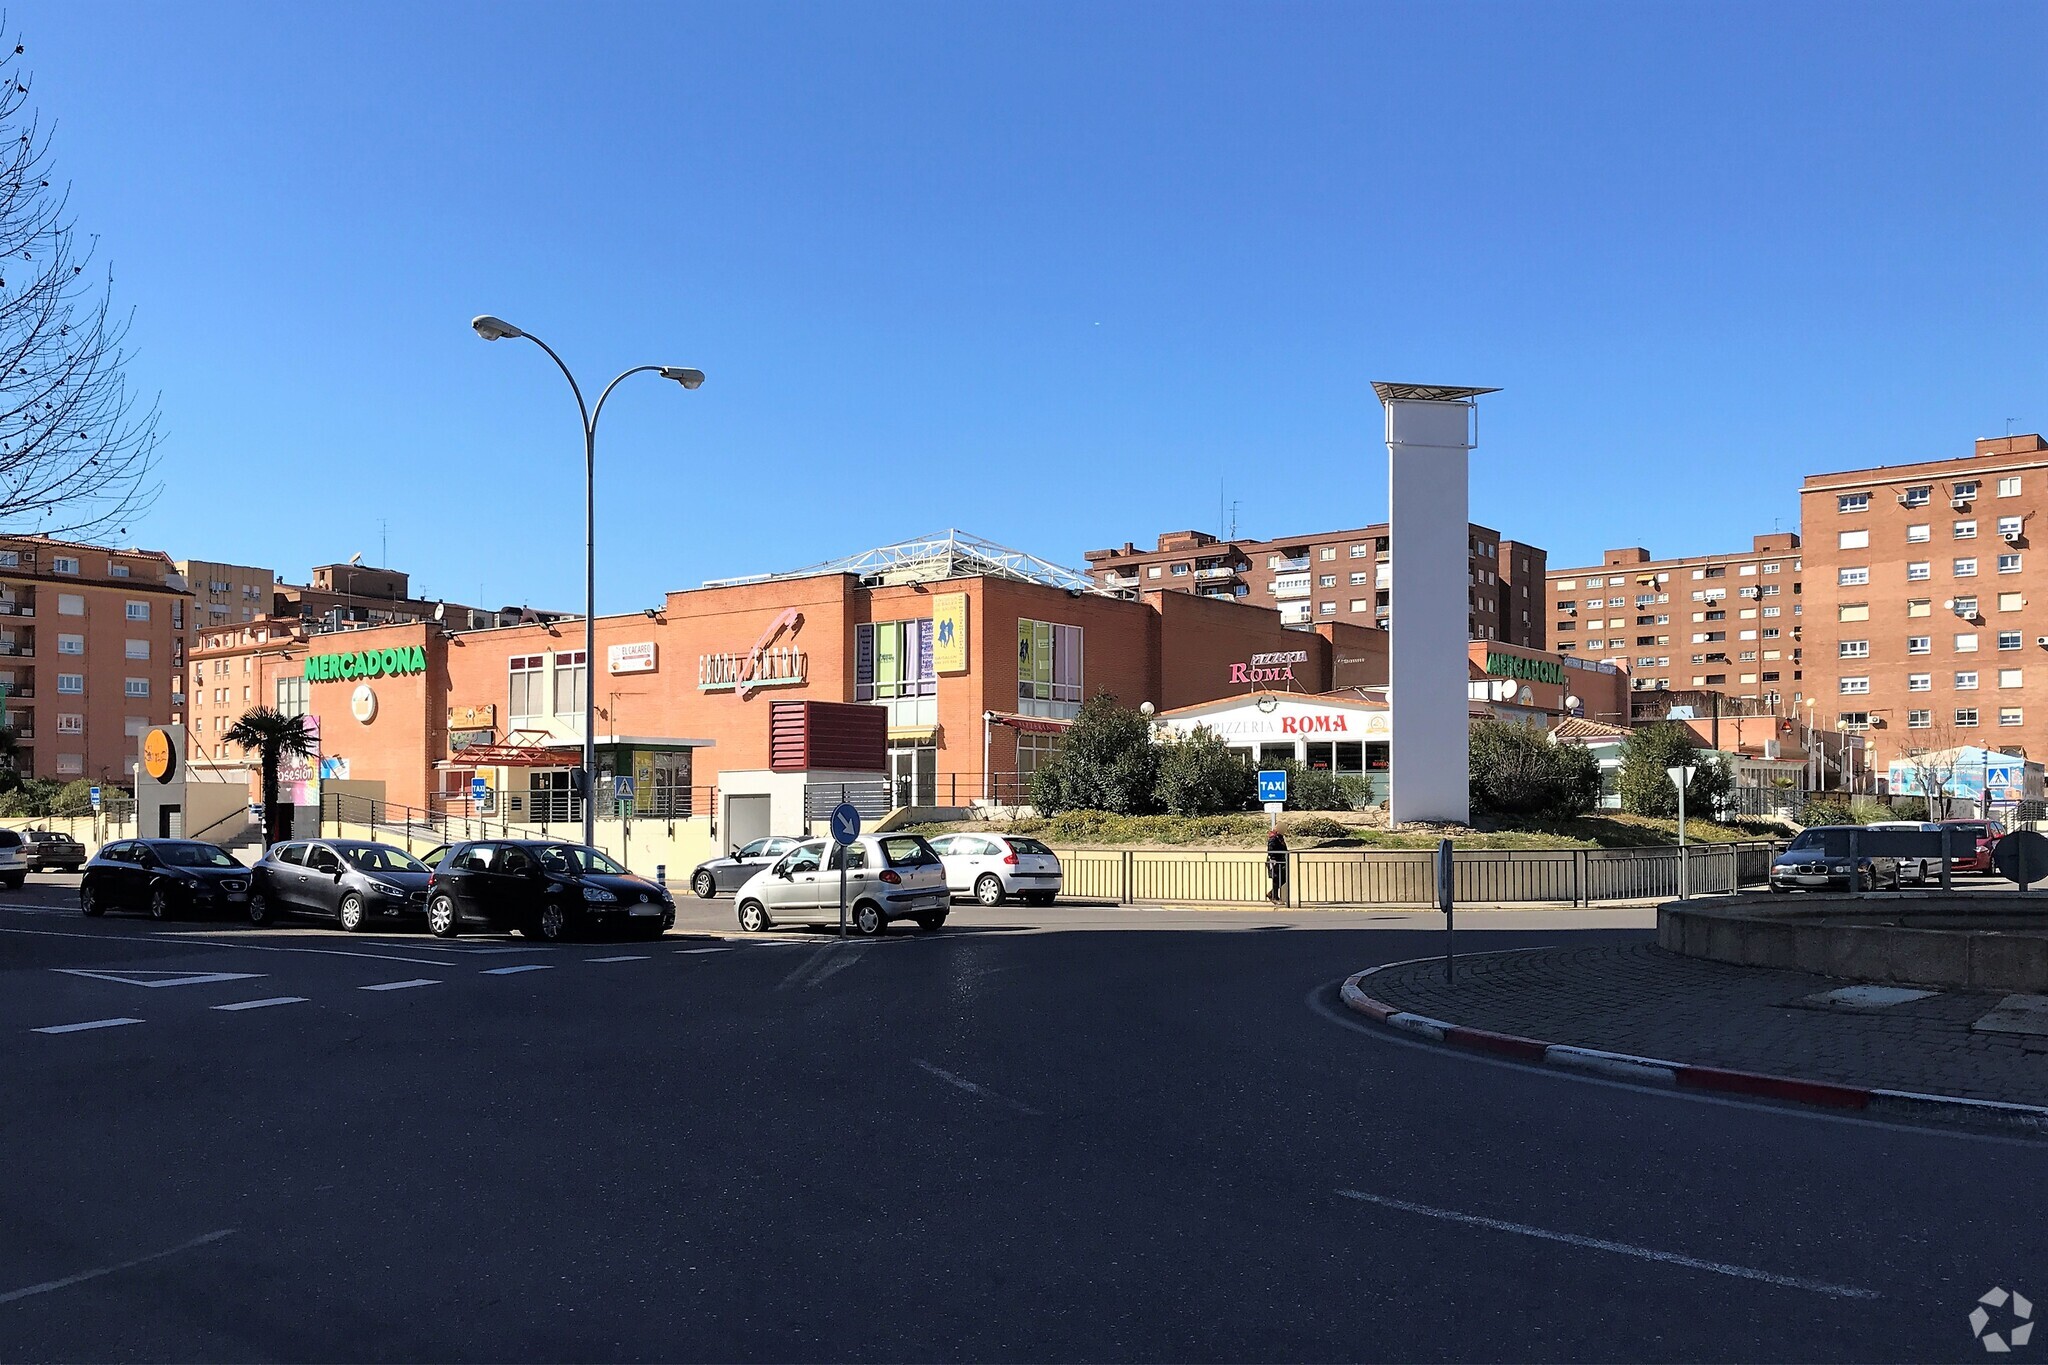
point(1905, 499)
point(2041, 640)
point(2010, 537)
point(1959, 502)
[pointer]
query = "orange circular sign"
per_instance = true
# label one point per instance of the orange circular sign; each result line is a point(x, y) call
point(159, 759)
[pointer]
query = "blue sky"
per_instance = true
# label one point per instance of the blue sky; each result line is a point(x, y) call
point(1049, 273)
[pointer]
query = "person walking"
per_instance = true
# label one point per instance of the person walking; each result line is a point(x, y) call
point(1276, 866)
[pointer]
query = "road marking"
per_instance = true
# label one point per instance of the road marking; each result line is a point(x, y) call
point(264, 1004)
point(1838, 1291)
point(124, 977)
point(838, 962)
point(80, 1028)
point(962, 1083)
point(508, 971)
point(629, 957)
point(172, 939)
point(49, 1285)
point(692, 952)
point(399, 985)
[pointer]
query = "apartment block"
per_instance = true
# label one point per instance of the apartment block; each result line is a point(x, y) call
point(1930, 620)
point(92, 645)
point(351, 596)
point(1727, 623)
point(1330, 576)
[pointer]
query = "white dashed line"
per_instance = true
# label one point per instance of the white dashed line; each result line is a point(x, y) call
point(264, 1004)
point(48, 1286)
point(399, 985)
point(630, 957)
point(89, 1024)
point(692, 952)
point(962, 1083)
point(508, 971)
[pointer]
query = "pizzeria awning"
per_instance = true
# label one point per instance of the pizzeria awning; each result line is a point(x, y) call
point(1030, 725)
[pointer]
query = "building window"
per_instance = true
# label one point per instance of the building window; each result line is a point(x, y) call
point(70, 765)
point(1359, 552)
point(1919, 682)
point(1328, 580)
point(1853, 611)
point(1360, 604)
point(72, 724)
point(1965, 490)
point(10, 559)
point(1919, 570)
point(1327, 608)
point(1852, 502)
point(1033, 751)
point(291, 695)
point(2009, 677)
point(2008, 563)
point(1919, 606)
point(1916, 534)
point(177, 613)
point(138, 649)
point(1855, 649)
point(2009, 639)
point(1966, 643)
point(1180, 570)
point(138, 611)
point(1855, 686)
point(1853, 540)
point(117, 570)
point(1152, 572)
point(64, 564)
point(529, 678)
point(2011, 526)
point(71, 644)
point(1917, 497)
point(892, 660)
point(1854, 720)
point(1770, 568)
point(70, 604)
point(133, 726)
point(1358, 580)
point(1966, 680)
point(1854, 577)
point(71, 684)
point(2008, 715)
point(1919, 720)
point(2009, 487)
point(2011, 601)
point(1966, 530)
point(1330, 552)
point(1966, 568)
point(1966, 716)
point(572, 682)
point(137, 687)
point(1048, 668)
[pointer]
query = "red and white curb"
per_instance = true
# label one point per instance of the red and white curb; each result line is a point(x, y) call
point(1622, 1066)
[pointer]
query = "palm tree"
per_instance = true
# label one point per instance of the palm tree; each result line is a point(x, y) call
point(271, 735)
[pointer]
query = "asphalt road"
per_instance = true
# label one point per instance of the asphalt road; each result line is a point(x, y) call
point(1036, 1134)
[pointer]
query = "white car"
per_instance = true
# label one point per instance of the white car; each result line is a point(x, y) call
point(13, 860)
point(888, 877)
point(994, 867)
point(1917, 870)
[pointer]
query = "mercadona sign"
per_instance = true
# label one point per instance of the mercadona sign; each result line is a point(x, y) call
point(367, 663)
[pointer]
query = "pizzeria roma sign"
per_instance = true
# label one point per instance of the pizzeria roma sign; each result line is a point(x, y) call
point(367, 663)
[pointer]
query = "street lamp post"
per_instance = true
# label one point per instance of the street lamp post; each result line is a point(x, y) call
point(496, 329)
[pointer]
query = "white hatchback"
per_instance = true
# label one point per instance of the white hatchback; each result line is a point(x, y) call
point(888, 877)
point(993, 867)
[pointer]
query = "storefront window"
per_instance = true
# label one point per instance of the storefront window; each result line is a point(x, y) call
point(893, 659)
point(1048, 669)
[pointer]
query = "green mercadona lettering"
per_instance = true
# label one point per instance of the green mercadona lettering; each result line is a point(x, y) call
point(1515, 666)
point(367, 663)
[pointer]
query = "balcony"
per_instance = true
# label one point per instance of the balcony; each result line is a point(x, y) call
point(1215, 572)
point(1111, 578)
point(1294, 614)
point(1291, 585)
point(1297, 564)
point(11, 650)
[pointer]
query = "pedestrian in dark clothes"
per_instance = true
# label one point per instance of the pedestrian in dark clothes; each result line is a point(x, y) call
point(1276, 865)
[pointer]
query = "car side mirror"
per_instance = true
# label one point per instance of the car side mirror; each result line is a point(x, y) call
point(782, 872)
point(334, 872)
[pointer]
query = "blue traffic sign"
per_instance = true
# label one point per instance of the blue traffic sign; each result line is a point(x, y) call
point(622, 789)
point(845, 823)
point(477, 788)
point(95, 793)
point(1272, 785)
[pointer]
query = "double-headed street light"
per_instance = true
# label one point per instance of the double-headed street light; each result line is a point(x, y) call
point(497, 329)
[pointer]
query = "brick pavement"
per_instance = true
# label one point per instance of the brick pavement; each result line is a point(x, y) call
point(1643, 1000)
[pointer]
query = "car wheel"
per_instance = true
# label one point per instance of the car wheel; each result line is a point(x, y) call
point(441, 917)
point(988, 890)
point(705, 885)
point(351, 913)
point(16, 880)
point(753, 917)
point(553, 923)
point(259, 909)
point(89, 902)
point(160, 904)
point(869, 921)
point(1777, 890)
point(928, 923)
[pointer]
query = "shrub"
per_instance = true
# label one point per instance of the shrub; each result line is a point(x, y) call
point(1105, 761)
point(1201, 775)
point(1516, 770)
point(1826, 810)
point(75, 798)
point(1320, 827)
point(1645, 785)
point(1320, 789)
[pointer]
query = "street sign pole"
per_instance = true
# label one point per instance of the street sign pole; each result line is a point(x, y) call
point(845, 829)
point(1681, 778)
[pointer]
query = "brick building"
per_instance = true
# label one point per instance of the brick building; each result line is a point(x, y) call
point(92, 644)
point(1728, 623)
point(1328, 576)
point(1928, 629)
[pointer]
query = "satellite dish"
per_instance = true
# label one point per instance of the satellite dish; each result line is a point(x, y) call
point(440, 611)
point(356, 558)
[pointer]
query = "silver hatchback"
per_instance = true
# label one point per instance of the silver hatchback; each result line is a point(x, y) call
point(888, 877)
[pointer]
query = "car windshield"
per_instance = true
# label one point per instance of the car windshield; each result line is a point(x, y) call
point(379, 858)
point(908, 851)
point(1810, 839)
point(1031, 846)
point(1972, 831)
point(193, 855)
point(574, 858)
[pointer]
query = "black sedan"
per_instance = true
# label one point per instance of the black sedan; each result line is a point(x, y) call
point(349, 881)
point(732, 872)
point(164, 877)
point(544, 889)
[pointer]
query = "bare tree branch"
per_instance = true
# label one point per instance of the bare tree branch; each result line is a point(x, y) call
point(77, 454)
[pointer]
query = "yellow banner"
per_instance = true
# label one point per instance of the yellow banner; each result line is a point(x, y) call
point(949, 633)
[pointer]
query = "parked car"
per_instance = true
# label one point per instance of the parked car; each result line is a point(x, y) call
point(13, 860)
point(165, 877)
point(1979, 837)
point(736, 868)
point(346, 880)
point(43, 849)
point(1917, 870)
point(888, 877)
point(544, 889)
point(992, 867)
point(1818, 860)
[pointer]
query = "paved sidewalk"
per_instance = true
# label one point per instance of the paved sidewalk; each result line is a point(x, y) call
point(1640, 999)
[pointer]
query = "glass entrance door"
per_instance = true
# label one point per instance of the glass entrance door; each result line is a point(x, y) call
point(914, 774)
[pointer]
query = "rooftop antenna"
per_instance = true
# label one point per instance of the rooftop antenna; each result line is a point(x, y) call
point(1233, 519)
point(2008, 427)
point(384, 541)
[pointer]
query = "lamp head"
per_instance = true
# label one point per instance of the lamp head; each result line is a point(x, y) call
point(688, 378)
point(493, 329)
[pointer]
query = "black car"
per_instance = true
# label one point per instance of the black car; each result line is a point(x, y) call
point(164, 877)
point(346, 880)
point(542, 888)
point(1818, 860)
point(43, 849)
point(732, 872)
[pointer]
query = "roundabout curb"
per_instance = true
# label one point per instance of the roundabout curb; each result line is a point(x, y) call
point(1656, 1071)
